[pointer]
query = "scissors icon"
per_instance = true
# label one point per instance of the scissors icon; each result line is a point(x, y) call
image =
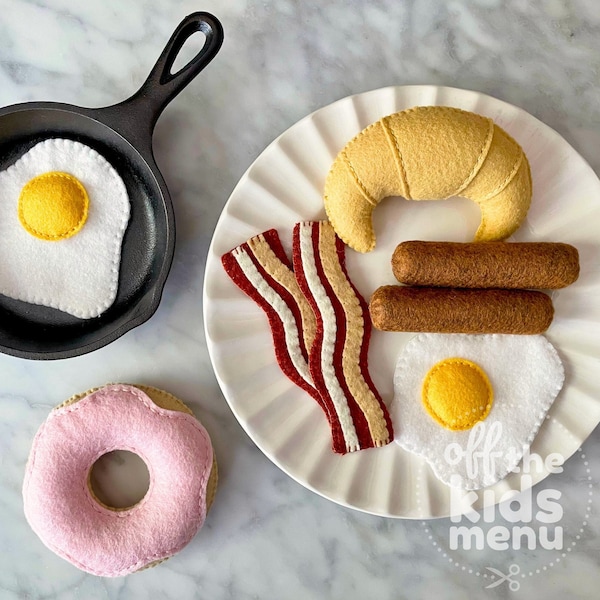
point(513, 571)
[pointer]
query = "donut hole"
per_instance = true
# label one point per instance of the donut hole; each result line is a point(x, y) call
point(119, 480)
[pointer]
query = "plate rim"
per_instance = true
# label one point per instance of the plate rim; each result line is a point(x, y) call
point(222, 217)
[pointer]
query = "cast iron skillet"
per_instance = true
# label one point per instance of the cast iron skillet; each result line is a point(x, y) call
point(123, 135)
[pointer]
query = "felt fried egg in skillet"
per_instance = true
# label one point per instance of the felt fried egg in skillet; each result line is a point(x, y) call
point(63, 213)
point(471, 404)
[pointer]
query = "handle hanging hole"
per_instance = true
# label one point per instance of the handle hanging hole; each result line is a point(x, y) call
point(190, 49)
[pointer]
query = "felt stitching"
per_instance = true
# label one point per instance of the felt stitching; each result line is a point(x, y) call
point(151, 392)
point(438, 464)
point(103, 392)
point(265, 250)
point(475, 418)
point(395, 146)
point(125, 571)
point(366, 338)
point(330, 377)
point(500, 188)
point(281, 348)
point(286, 316)
point(325, 359)
point(141, 396)
point(339, 443)
point(347, 240)
point(88, 492)
point(282, 273)
point(105, 166)
point(356, 178)
point(351, 358)
point(507, 180)
point(233, 269)
point(117, 512)
point(26, 158)
point(106, 390)
point(31, 463)
point(485, 150)
point(66, 234)
point(284, 308)
point(415, 449)
point(340, 201)
point(340, 325)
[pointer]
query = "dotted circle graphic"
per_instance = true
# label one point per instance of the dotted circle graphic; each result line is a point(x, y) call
point(561, 554)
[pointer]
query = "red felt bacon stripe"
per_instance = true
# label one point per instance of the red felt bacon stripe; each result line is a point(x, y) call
point(338, 357)
point(320, 327)
point(323, 352)
point(260, 268)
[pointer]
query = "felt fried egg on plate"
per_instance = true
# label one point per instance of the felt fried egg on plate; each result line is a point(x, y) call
point(63, 213)
point(471, 404)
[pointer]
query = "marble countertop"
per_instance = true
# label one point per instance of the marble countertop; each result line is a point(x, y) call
point(267, 536)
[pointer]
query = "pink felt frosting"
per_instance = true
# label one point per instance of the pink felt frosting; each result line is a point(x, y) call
point(63, 513)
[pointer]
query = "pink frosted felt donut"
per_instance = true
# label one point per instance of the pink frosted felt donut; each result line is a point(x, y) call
point(66, 516)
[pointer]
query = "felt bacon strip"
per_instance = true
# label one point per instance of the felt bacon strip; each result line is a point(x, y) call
point(338, 356)
point(261, 269)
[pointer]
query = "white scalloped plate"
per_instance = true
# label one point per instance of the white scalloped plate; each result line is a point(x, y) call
point(283, 186)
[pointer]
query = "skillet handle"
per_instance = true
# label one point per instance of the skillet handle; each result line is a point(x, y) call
point(137, 116)
point(162, 85)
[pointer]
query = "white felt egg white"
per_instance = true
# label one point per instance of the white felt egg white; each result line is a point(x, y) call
point(525, 375)
point(63, 213)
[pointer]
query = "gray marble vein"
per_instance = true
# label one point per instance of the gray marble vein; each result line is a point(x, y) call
point(267, 536)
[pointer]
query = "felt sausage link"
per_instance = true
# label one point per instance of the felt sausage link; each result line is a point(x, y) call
point(449, 310)
point(537, 265)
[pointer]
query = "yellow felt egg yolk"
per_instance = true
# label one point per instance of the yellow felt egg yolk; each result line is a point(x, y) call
point(457, 393)
point(53, 206)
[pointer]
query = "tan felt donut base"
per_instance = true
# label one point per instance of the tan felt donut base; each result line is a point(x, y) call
point(169, 402)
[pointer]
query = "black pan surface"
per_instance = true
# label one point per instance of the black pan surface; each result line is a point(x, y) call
point(122, 134)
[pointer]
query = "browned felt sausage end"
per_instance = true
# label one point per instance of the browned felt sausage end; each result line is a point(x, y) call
point(444, 310)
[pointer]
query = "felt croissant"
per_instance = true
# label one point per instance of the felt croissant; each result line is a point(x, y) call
point(427, 153)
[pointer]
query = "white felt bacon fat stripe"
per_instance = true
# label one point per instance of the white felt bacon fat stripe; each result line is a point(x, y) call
point(356, 322)
point(320, 326)
point(283, 311)
point(276, 265)
point(261, 269)
point(322, 352)
point(338, 357)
